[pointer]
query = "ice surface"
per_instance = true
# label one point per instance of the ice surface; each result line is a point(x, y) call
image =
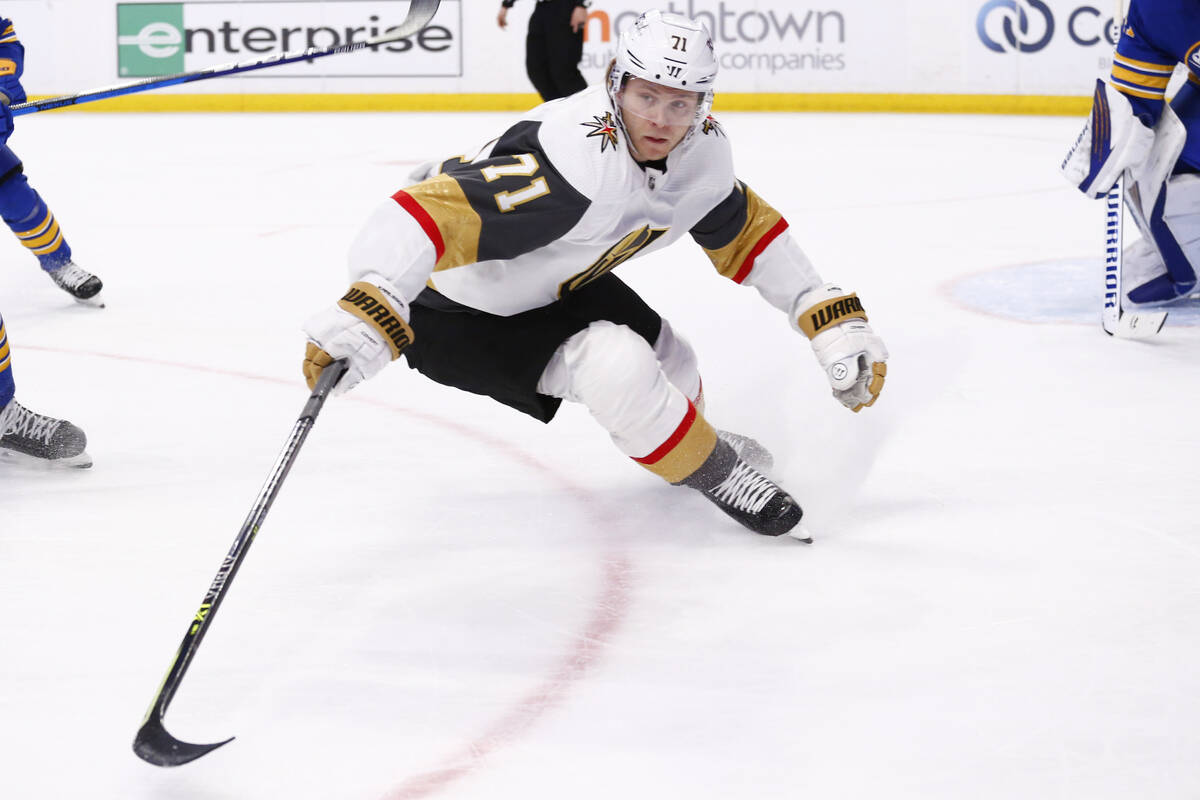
point(451, 600)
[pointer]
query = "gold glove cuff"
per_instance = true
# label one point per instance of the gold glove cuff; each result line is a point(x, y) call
point(834, 311)
point(368, 302)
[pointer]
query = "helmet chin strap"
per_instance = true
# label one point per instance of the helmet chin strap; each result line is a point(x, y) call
point(616, 106)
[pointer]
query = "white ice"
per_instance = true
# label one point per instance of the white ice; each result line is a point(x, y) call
point(451, 600)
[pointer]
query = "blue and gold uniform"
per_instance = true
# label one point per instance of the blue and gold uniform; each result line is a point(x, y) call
point(1131, 133)
point(1158, 35)
point(7, 387)
point(22, 208)
point(25, 434)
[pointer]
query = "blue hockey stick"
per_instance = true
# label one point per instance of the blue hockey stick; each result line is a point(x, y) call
point(420, 12)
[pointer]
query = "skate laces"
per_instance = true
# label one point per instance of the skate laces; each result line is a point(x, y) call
point(28, 425)
point(748, 450)
point(734, 440)
point(70, 275)
point(744, 488)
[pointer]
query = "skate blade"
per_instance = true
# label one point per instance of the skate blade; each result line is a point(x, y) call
point(24, 461)
point(95, 301)
point(801, 534)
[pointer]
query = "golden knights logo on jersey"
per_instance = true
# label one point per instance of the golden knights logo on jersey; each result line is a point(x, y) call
point(606, 128)
point(613, 257)
point(710, 125)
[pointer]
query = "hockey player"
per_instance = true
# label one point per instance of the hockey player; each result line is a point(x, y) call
point(493, 274)
point(1132, 128)
point(26, 435)
point(22, 208)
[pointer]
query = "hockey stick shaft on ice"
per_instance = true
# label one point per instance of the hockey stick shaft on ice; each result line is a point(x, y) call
point(420, 12)
point(153, 743)
point(1114, 318)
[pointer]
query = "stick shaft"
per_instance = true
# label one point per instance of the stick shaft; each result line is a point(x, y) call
point(420, 12)
point(1114, 211)
point(232, 562)
point(237, 553)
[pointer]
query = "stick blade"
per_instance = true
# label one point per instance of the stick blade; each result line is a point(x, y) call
point(154, 745)
point(1140, 324)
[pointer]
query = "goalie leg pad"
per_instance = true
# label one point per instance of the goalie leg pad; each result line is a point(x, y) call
point(615, 373)
point(1168, 270)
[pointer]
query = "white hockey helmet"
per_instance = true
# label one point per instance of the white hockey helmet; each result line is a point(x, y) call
point(670, 50)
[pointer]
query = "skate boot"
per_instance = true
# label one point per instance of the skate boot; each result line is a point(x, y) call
point(749, 450)
point(79, 283)
point(746, 494)
point(35, 438)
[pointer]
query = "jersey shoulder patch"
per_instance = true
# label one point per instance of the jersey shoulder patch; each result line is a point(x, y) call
point(710, 127)
point(604, 129)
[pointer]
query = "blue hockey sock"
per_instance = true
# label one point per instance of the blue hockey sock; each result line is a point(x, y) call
point(33, 222)
point(7, 385)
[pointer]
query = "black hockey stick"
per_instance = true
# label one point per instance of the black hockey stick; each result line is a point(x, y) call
point(152, 742)
point(420, 12)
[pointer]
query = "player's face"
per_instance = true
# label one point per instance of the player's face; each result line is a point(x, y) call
point(656, 117)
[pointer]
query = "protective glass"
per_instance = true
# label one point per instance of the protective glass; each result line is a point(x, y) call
point(660, 104)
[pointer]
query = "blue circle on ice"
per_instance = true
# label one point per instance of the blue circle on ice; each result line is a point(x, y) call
point(1067, 290)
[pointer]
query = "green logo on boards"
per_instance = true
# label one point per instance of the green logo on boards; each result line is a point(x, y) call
point(150, 39)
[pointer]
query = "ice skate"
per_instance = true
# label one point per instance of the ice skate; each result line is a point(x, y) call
point(749, 450)
point(32, 438)
point(79, 283)
point(747, 495)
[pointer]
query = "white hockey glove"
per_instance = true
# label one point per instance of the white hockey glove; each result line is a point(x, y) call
point(853, 357)
point(1112, 140)
point(368, 327)
point(421, 172)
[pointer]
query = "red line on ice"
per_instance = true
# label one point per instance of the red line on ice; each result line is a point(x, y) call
point(607, 612)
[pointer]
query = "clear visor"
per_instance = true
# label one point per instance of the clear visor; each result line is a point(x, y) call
point(661, 105)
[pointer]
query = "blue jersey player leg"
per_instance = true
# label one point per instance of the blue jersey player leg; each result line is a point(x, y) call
point(21, 208)
point(29, 437)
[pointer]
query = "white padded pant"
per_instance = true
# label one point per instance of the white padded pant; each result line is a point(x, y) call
point(637, 393)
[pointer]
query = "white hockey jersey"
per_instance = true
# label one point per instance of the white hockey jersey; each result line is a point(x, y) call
point(558, 201)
